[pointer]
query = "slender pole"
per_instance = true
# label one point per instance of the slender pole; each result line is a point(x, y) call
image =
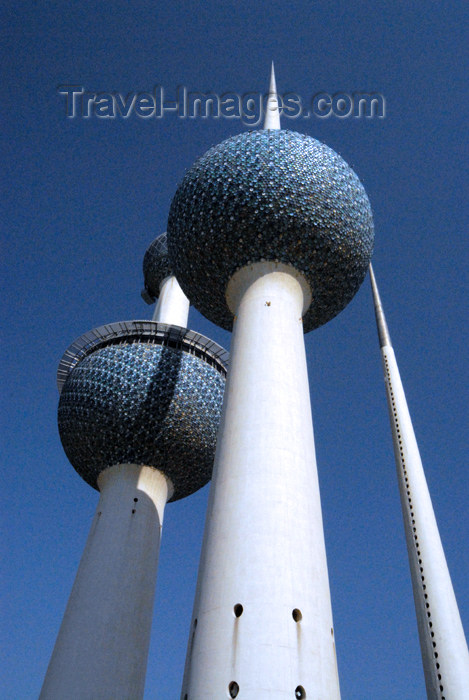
point(272, 114)
point(173, 305)
point(443, 645)
point(262, 622)
point(102, 647)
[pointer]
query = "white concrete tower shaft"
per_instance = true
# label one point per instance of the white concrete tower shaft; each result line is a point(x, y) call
point(102, 647)
point(173, 305)
point(262, 622)
point(443, 645)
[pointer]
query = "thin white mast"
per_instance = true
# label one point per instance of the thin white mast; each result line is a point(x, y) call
point(443, 645)
point(272, 114)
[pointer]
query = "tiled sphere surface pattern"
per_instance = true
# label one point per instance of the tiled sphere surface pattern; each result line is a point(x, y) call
point(142, 403)
point(271, 195)
point(156, 265)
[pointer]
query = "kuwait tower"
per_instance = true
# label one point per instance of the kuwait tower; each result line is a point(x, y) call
point(443, 645)
point(139, 409)
point(270, 235)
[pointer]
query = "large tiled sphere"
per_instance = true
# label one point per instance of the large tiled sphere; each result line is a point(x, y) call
point(156, 265)
point(271, 195)
point(142, 403)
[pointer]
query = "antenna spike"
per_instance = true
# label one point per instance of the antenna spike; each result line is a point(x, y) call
point(383, 333)
point(272, 114)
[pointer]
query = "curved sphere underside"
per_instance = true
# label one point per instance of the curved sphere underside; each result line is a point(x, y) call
point(271, 195)
point(156, 265)
point(142, 403)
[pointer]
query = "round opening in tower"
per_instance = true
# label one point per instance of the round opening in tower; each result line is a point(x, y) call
point(270, 195)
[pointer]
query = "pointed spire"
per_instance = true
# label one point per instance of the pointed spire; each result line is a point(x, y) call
point(383, 333)
point(272, 114)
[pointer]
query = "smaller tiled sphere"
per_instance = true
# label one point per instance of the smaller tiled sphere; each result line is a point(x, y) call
point(156, 266)
point(142, 403)
point(273, 195)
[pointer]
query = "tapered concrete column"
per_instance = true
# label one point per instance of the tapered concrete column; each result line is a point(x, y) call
point(262, 619)
point(173, 305)
point(443, 645)
point(102, 646)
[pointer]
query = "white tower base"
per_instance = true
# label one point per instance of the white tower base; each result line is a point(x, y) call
point(262, 621)
point(102, 646)
point(173, 305)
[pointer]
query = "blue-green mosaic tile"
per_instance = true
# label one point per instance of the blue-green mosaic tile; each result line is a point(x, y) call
point(142, 403)
point(270, 195)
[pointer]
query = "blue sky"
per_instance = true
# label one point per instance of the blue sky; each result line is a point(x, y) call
point(85, 197)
